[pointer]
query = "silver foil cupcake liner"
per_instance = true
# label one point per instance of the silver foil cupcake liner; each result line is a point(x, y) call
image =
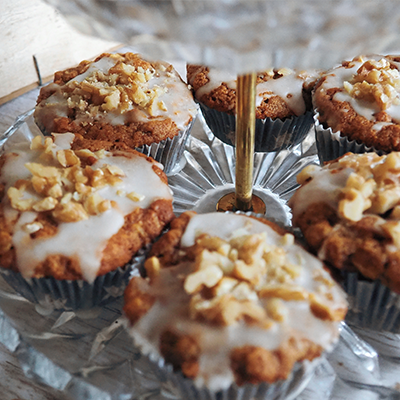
point(169, 152)
point(372, 305)
point(271, 135)
point(331, 145)
point(287, 389)
point(51, 293)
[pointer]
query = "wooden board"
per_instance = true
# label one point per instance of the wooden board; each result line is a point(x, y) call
point(31, 28)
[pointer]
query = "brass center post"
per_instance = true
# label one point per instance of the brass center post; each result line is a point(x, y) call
point(245, 131)
point(243, 198)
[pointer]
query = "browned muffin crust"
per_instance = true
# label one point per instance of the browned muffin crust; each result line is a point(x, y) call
point(122, 137)
point(253, 364)
point(347, 245)
point(223, 98)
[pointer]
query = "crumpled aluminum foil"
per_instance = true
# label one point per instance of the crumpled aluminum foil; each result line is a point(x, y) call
point(242, 35)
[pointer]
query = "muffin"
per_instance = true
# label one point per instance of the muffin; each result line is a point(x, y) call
point(283, 104)
point(358, 107)
point(349, 213)
point(72, 220)
point(231, 301)
point(120, 101)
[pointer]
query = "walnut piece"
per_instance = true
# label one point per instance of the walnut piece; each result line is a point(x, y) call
point(118, 90)
point(66, 188)
point(373, 187)
point(244, 278)
point(375, 81)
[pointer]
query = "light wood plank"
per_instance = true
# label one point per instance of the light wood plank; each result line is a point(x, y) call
point(33, 28)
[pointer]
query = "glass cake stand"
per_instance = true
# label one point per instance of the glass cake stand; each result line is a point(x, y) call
point(242, 36)
point(88, 355)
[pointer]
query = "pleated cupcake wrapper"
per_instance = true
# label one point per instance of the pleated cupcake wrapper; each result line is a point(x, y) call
point(287, 389)
point(270, 135)
point(57, 294)
point(372, 305)
point(330, 145)
point(169, 152)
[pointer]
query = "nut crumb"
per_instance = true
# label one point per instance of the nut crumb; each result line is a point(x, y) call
point(375, 81)
point(69, 191)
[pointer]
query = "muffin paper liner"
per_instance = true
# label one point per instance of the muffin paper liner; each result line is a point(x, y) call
point(169, 152)
point(54, 294)
point(287, 389)
point(372, 305)
point(271, 135)
point(330, 145)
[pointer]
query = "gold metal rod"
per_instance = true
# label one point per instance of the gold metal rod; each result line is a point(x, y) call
point(245, 131)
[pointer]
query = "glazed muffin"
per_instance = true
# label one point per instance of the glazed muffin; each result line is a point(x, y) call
point(76, 215)
point(119, 101)
point(358, 107)
point(231, 300)
point(349, 214)
point(283, 104)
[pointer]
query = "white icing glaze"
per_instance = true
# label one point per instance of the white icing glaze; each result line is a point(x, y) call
point(288, 87)
point(324, 187)
point(84, 239)
point(171, 306)
point(379, 125)
point(338, 75)
point(215, 79)
point(104, 64)
point(177, 98)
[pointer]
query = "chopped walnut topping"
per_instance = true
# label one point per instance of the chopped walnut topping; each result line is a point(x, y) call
point(373, 187)
point(33, 227)
point(353, 204)
point(67, 158)
point(152, 266)
point(69, 190)
point(135, 196)
point(70, 212)
point(285, 71)
point(376, 81)
point(392, 228)
point(118, 90)
point(46, 204)
point(244, 278)
point(276, 309)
